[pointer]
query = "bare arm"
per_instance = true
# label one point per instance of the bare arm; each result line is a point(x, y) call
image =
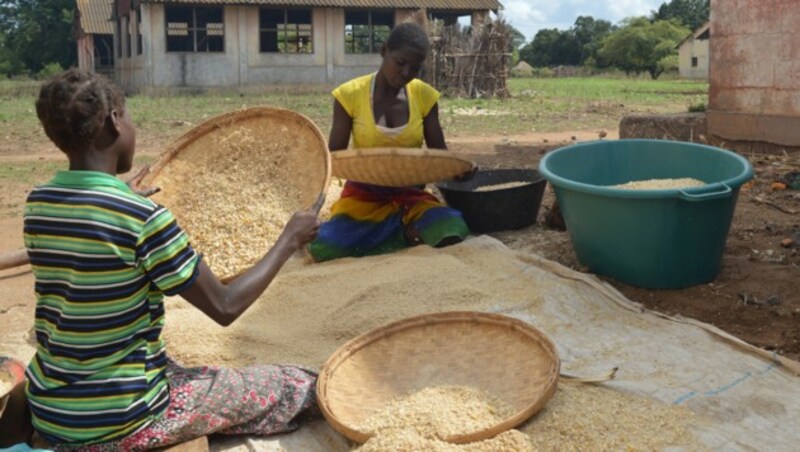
point(434, 136)
point(225, 303)
point(341, 128)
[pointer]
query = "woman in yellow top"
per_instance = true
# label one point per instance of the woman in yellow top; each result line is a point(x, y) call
point(390, 108)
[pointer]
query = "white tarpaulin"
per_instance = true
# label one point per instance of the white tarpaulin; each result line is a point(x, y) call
point(749, 399)
point(746, 398)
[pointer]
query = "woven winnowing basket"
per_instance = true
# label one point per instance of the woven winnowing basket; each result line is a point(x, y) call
point(505, 357)
point(294, 149)
point(398, 167)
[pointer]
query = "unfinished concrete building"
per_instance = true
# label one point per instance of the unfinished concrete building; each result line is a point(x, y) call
point(94, 33)
point(235, 43)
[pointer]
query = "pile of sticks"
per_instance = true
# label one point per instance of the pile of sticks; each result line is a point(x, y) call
point(469, 62)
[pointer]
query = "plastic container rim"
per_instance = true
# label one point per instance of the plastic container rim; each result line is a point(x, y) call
point(708, 191)
point(538, 178)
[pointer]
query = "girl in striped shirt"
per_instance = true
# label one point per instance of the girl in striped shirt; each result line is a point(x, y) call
point(103, 258)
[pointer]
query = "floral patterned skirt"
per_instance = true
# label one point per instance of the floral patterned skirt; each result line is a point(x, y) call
point(259, 400)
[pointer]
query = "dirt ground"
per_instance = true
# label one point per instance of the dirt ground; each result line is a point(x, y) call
point(755, 296)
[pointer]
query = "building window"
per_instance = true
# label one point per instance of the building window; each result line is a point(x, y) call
point(285, 30)
point(195, 28)
point(694, 61)
point(139, 49)
point(366, 31)
point(103, 52)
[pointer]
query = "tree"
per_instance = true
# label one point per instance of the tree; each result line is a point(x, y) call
point(35, 33)
point(538, 52)
point(552, 47)
point(589, 33)
point(517, 38)
point(690, 13)
point(641, 46)
point(516, 42)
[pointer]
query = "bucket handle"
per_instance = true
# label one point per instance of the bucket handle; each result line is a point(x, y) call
point(706, 196)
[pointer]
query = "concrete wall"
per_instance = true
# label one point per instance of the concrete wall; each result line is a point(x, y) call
point(85, 52)
point(694, 48)
point(242, 63)
point(129, 69)
point(89, 46)
point(755, 71)
point(201, 69)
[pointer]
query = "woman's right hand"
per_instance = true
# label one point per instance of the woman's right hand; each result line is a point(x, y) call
point(302, 228)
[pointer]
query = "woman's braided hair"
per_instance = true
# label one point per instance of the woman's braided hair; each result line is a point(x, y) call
point(73, 106)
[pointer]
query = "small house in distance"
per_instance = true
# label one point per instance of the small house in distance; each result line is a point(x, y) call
point(693, 53)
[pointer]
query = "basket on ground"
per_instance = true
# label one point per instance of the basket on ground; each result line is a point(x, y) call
point(497, 200)
point(234, 181)
point(398, 167)
point(659, 239)
point(507, 358)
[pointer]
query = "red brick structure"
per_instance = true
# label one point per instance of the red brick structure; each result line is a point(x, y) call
point(755, 71)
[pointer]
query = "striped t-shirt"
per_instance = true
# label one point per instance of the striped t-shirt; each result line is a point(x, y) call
point(103, 258)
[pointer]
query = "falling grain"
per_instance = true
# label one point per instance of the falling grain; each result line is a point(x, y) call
point(236, 187)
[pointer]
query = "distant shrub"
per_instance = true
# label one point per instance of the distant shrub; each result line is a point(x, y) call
point(49, 70)
point(698, 108)
point(521, 72)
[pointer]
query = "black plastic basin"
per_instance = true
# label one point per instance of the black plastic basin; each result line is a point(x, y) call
point(497, 210)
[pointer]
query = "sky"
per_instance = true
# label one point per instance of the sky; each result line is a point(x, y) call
point(529, 16)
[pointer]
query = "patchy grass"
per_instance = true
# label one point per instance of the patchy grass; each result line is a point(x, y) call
point(169, 116)
point(29, 173)
point(566, 104)
point(32, 173)
point(18, 178)
point(536, 105)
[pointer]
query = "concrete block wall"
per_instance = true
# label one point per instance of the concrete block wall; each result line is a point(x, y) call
point(241, 63)
point(755, 71)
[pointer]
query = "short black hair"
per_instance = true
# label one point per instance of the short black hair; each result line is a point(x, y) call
point(73, 106)
point(408, 34)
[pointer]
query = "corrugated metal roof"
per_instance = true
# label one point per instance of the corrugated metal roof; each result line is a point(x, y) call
point(696, 33)
point(448, 5)
point(96, 16)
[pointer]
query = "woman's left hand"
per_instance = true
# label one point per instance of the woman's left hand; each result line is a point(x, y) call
point(134, 182)
point(466, 176)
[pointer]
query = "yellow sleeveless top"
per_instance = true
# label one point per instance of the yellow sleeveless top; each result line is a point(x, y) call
point(356, 98)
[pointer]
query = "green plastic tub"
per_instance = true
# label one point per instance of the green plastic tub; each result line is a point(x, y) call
point(660, 239)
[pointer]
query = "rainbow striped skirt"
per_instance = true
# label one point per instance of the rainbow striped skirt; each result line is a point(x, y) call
point(370, 219)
